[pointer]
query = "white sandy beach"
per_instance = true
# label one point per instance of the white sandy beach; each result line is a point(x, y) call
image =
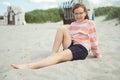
point(33, 42)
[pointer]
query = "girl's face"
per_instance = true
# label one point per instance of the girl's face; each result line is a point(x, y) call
point(79, 14)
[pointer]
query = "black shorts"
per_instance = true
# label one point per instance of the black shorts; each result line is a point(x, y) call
point(79, 52)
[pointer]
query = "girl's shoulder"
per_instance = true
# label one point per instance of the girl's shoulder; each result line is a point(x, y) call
point(85, 21)
point(73, 23)
point(90, 22)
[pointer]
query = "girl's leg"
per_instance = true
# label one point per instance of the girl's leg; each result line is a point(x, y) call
point(65, 55)
point(62, 37)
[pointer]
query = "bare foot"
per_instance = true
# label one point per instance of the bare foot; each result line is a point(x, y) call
point(19, 66)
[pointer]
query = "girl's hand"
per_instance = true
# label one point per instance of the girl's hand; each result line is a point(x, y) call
point(97, 55)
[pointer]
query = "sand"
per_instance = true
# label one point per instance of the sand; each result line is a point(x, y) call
point(33, 42)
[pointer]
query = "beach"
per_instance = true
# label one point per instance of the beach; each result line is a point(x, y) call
point(33, 42)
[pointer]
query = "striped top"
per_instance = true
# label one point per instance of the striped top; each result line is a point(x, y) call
point(84, 33)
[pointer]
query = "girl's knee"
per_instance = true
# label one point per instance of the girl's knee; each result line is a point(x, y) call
point(62, 28)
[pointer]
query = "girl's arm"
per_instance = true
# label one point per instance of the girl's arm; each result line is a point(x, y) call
point(94, 42)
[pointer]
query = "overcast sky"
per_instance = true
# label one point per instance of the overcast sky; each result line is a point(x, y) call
point(29, 5)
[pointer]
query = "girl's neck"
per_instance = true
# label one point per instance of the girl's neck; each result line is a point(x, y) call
point(81, 21)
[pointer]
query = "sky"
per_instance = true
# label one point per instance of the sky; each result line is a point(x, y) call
point(29, 5)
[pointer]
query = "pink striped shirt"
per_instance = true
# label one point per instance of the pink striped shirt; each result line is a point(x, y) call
point(84, 33)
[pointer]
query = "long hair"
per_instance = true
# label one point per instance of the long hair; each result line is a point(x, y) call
point(82, 6)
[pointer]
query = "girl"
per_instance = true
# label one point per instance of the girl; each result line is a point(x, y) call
point(77, 41)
